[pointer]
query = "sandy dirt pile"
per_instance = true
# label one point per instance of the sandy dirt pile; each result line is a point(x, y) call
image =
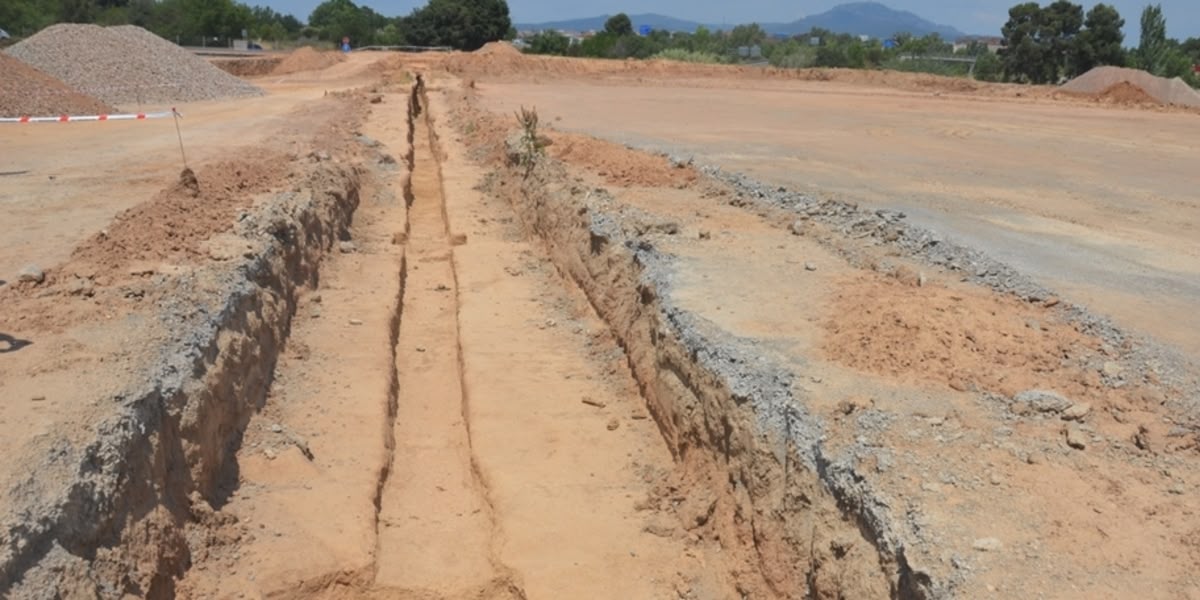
point(617, 164)
point(126, 65)
point(497, 49)
point(248, 67)
point(29, 92)
point(1101, 81)
point(307, 59)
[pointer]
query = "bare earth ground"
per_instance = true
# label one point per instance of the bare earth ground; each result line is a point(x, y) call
point(459, 410)
point(1097, 202)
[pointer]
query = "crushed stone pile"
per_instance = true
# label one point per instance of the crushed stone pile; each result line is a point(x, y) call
point(1102, 81)
point(307, 59)
point(28, 92)
point(126, 65)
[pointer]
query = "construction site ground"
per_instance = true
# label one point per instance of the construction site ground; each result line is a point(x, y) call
point(710, 334)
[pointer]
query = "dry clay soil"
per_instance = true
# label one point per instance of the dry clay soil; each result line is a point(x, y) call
point(452, 418)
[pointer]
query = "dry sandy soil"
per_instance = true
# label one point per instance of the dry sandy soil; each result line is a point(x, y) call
point(364, 348)
point(1096, 202)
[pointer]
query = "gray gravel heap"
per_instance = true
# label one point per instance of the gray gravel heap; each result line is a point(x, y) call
point(127, 66)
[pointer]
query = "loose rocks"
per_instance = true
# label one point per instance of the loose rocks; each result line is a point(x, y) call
point(1043, 401)
point(31, 274)
point(1076, 438)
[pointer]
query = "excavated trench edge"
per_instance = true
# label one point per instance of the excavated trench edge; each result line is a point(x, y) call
point(719, 401)
point(116, 527)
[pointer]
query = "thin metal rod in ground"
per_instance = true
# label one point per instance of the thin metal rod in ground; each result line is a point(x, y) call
point(179, 133)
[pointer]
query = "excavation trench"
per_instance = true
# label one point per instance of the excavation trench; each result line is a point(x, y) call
point(806, 525)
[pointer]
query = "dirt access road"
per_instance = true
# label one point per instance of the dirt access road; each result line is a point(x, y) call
point(1097, 202)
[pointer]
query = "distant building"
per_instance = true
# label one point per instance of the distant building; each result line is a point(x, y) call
point(993, 43)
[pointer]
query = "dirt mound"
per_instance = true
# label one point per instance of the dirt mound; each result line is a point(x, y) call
point(617, 164)
point(126, 65)
point(172, 225)
point(960, 338)
point(29, 92)
point(1124, 92)
point(498, 49)
point(247, 67)
point(1101, 81)
point(307, 59)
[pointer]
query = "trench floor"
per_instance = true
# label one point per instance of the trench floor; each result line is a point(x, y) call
point(474, 429)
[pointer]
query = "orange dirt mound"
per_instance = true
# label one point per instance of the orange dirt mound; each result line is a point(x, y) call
point(617, 164)
point(307, 59)
point(960, 338)
point(498, 49)
point(27, 91)
point(1124, 92)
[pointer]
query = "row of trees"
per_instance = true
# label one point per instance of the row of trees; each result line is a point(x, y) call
point(463, 24)
point(1041, 44)
point(1058, 41)
point(617, 40)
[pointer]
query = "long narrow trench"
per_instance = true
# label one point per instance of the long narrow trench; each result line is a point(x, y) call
point(435, 525)
point(492, 444)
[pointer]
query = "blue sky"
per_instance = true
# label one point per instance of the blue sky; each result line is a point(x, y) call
point(972, 16)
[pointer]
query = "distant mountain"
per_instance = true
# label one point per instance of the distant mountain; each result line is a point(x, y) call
point(654, 21)
point(857, 18)
point(865, 18)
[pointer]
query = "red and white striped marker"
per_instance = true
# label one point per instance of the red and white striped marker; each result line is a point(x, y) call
point(78, 118)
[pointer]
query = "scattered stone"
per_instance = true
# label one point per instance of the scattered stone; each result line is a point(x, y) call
point(921, 279)
point(376, 99)
point(1077, 412)
point(356, 321)
point(315, 298)
point(82, 287)
point(1044, 401)
point(810, 267)
point(347, 247)
point(995, 479)
point(638, 417)
point(797, 227)
point(31, 274)
point(705, 234)
point(1051, 302)
point(1141, 439)
point(988, 544)
point(1076, 438)
point(1177, 489)
point(1036, 458)
point(276, 428)
point(613, 425)
point(270, 454)
point(588, 400)
point(1112, 370)
point(301, 444)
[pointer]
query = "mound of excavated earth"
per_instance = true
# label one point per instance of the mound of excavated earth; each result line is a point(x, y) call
point(126, 65)
point(27, 91)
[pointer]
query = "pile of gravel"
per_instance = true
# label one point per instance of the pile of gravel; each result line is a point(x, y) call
point(25, 91)
point(126, 65)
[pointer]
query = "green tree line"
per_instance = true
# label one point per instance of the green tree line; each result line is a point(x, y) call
point(462, 24)
point(1040, 44)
